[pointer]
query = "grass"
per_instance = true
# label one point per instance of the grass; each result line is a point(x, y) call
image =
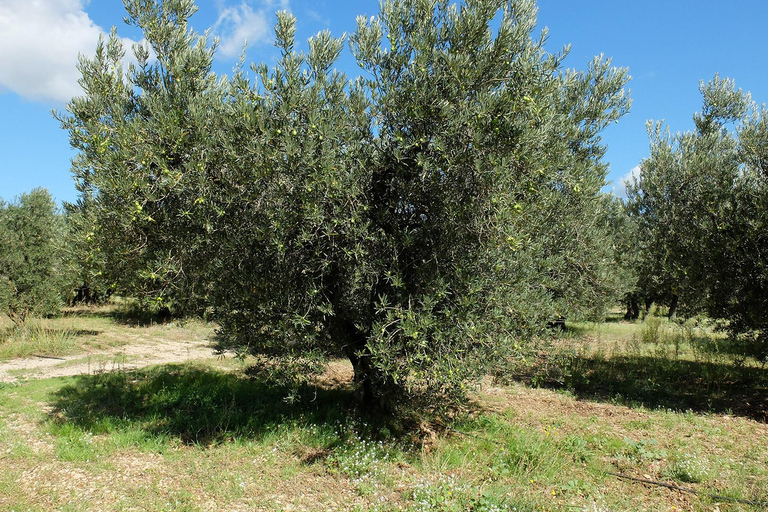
point(195, 404)
point(660, 364)
point(36, 338)
point(203, 436)
point(83, 330)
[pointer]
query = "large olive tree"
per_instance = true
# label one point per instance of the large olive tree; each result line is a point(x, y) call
point(423, 220)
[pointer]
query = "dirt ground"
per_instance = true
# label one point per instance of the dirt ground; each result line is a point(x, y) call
point(130, 356)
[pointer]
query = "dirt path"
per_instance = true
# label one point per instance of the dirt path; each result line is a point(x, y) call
point(134, 355)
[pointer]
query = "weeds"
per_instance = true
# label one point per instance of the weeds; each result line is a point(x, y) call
point(358, 458)
point(690, 468)
point(75, 445)
point(650, 332)
point(448, 494)
point(35, 338)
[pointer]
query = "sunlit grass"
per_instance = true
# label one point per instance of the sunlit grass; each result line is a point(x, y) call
point(199, 437)
point(86, 329)
point(35, 337)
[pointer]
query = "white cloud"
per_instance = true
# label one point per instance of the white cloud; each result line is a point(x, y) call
point(39, 44)
point(242, 23)
point(620, 190)
point(40, 41)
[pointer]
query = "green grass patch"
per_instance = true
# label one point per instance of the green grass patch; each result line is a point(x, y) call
point(35, 338)
point(657, 364)
point(195, 404)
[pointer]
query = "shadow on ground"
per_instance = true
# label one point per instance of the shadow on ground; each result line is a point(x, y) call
point(195, 405)
point(125, 314)
point(80, 332)
point(668, 383)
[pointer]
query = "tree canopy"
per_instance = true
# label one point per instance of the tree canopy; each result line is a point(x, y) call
point(423, 219)
point(701, 204)
point(33, 270)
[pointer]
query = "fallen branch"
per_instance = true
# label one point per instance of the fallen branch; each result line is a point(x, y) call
point(689, 490)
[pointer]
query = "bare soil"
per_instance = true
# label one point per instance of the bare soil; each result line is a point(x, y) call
point(130, 356)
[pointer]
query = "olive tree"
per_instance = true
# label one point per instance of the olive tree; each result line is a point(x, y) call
point(423, 220)
point(700, 206)
point(32, 271)
point(144, 158)
point(430, 237)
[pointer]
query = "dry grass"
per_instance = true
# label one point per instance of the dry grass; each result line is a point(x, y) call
point(94, 339)
point(89, 329)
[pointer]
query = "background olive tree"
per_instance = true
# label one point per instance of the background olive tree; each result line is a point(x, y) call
point(145, 160)
point(33, 273)
point(700, 204)
point(424, 220)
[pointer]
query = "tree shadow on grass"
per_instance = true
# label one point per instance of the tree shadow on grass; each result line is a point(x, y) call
point(670, 384)
point(195, 405)
point(133, 315)
point(129, 314)
point(616, 318)
point(575, 330)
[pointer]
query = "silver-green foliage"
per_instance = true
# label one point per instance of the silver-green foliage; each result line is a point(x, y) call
point(701, 204)
point(145, 155)
point(32, 270)
point(421, 219)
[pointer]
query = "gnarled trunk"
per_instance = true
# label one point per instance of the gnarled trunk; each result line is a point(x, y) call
point(373, 389)
point(633, 307)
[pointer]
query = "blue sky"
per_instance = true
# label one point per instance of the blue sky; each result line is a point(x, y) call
point(668, 47)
